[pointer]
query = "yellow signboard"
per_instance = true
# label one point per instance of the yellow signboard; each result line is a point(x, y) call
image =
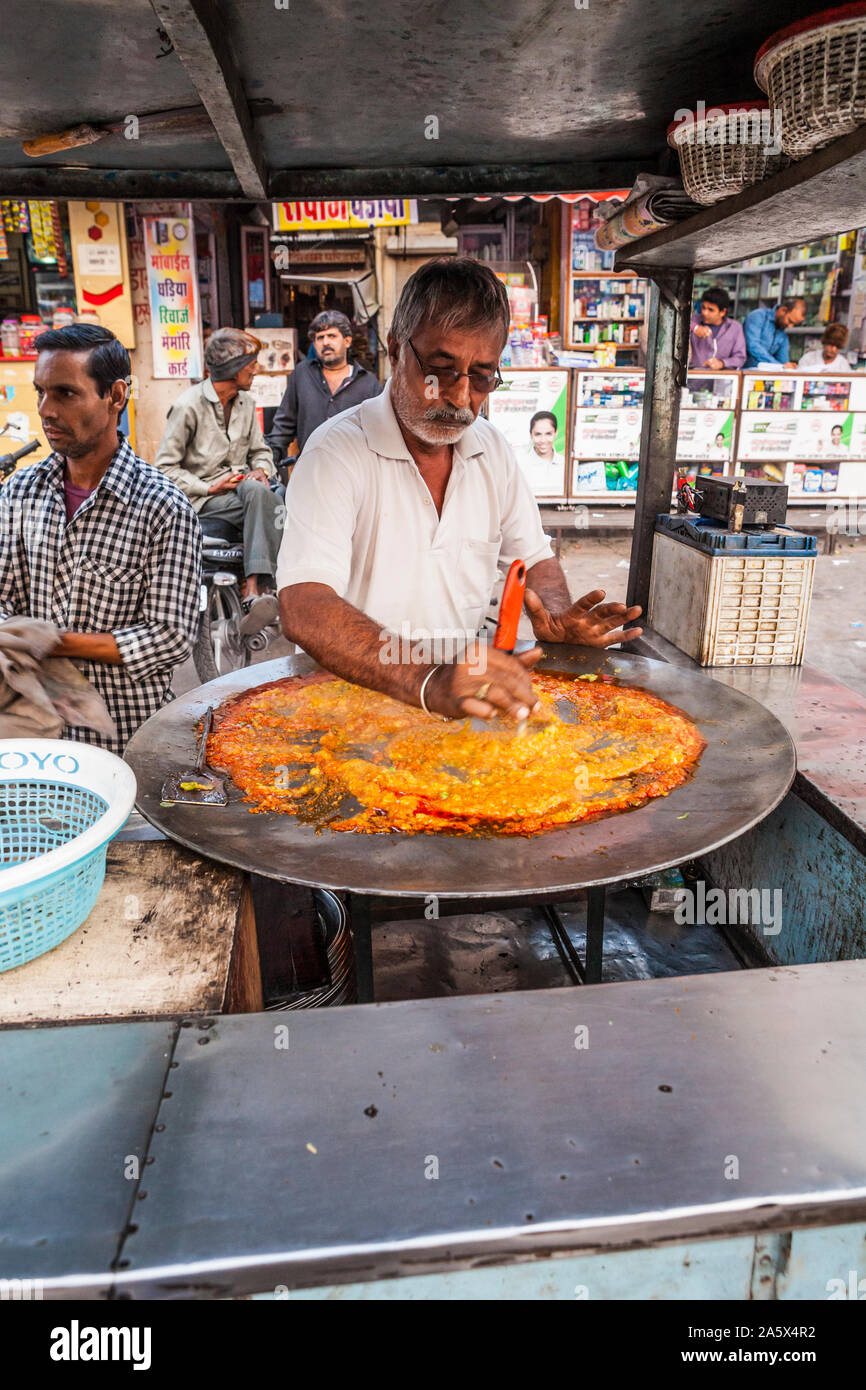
point(101, 266)
point(346, 212)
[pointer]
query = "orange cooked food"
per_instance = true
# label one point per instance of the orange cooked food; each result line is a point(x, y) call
point(346, 758)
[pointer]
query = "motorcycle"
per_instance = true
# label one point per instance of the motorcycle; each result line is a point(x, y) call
point(221, 644)
point(8, 462)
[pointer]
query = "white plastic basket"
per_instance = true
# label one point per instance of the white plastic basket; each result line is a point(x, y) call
point(815, 75)
point(725, 149)
point(60, 804)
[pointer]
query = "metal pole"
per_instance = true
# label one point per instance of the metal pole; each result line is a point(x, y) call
point(360, 922)
point(594, 954)
point(667, 362)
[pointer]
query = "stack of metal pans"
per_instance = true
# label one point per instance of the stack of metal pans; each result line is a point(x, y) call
point(341, 958)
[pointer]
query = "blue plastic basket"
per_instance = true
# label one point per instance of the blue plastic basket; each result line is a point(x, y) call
point(53, 839)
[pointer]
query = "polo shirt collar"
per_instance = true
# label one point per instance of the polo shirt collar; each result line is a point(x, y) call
point(209, 391)
point(384, 437)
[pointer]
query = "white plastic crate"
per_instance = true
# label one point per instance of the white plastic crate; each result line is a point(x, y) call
point(731, 609)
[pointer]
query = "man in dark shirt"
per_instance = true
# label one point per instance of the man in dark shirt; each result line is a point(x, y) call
point(320, 389)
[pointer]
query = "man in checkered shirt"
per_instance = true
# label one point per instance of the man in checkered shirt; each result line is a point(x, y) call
point(97, 541)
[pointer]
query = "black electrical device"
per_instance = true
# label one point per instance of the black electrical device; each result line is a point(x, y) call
point(738, 502)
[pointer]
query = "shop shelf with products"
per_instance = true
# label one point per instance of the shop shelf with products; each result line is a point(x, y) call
point(820, 272)
point(607, 417)
point(602, 311)
point(785, 434)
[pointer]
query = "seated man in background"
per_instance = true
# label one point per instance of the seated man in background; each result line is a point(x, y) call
point(829, 357)
point(716, 341)
point(95, 540)
point(322, 386)
point(213, 448)
point(766, 337)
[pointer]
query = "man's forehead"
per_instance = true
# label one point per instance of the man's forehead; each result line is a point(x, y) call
point(481, 344)
point(62, 362)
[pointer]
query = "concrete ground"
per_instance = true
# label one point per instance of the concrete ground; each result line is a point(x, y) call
point(836, 639)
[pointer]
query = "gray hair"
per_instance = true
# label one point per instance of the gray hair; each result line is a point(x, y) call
point(228, 351)
point(452, 292)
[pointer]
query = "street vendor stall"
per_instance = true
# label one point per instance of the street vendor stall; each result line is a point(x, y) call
point(678, 1137)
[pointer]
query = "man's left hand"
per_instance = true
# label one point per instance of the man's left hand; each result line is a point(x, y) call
point(257, 475)
point(587, 623)
point(715, 364)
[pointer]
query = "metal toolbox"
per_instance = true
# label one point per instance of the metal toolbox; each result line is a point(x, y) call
point(731, 599)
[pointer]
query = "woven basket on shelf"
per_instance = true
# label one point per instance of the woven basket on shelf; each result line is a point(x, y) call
point(815, 75)
point(724, 149)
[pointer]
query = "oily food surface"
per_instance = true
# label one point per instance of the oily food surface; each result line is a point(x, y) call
point(345, 758)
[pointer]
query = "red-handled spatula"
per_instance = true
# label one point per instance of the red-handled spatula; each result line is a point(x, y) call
point(510, 607)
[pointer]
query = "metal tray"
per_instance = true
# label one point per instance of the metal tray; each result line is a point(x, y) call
point(746, 769)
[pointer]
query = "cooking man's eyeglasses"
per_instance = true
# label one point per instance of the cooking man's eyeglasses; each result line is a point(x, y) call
point(447, 376)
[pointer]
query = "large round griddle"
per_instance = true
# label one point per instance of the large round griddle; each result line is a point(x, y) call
point(745, 770)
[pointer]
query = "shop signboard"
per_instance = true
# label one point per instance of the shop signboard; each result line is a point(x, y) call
point(337, 213)
point(169, 249)
point(100, 264)
point(531, 410)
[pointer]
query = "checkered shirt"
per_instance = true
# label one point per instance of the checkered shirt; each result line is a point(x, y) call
point(129, 563)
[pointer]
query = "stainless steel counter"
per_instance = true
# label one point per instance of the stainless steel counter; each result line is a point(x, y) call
point(416, 1137)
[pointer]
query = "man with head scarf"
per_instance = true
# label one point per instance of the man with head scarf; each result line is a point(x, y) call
point(213, 449)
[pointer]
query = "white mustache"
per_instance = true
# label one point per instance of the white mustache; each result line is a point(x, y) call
point(458, 416)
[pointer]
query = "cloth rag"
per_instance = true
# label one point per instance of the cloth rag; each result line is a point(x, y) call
point(41, 694)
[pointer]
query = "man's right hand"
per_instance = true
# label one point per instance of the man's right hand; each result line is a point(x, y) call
point(225, 484)
point(487, 683)
point(700, 330)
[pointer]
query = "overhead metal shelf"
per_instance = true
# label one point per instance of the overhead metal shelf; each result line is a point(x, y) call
point(819, 196)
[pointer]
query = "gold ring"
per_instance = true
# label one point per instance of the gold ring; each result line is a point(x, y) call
point(481, 692)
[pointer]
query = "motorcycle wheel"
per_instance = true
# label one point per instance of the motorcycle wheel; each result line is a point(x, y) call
point(219, 648)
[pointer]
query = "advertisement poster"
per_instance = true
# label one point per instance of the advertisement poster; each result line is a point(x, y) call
point(607, 434)
point(334, 214)
point(278, 348)
point(169, 250)
point(100, 264)
point(705, 436)
point(807, 435)
point(531, 410)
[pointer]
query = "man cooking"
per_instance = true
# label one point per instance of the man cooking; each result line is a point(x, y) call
point(213, 449)
point(402, 512)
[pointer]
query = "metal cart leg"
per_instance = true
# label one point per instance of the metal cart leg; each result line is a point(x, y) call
point(358, 905)
point(594, 933)
point(588, 970)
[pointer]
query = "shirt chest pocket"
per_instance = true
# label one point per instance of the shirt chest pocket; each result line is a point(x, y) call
point(477, 573)
point(105, 596)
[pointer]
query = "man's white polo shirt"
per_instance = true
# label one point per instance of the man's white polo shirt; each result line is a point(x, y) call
point(361, 519)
